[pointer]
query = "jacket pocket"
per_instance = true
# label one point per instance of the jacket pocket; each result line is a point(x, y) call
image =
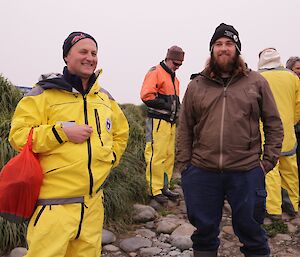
point(260, 205)
point(158, 125)
point(39, 215)
point(98, 125)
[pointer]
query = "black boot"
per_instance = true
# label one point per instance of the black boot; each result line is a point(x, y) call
point(205, 253)
point(170, 194)
point(160, 198)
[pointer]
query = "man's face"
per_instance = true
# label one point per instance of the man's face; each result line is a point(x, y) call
point(224, 54)
point(82, 58)
point(173, 64)
point(296, 68)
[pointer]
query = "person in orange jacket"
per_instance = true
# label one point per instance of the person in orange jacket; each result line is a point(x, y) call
point(160, 93)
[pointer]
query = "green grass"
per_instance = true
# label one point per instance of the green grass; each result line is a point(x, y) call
point(11, 235)
point(164, 212)
point(276, 227)
point(126, 185)
point(174, 181)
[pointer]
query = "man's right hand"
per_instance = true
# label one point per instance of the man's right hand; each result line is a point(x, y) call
point(79, 133)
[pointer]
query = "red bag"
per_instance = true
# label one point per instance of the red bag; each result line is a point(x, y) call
point(20, 182)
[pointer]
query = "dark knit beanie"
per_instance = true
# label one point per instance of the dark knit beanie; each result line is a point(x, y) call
point(72, 39)
point(175, 53)
point(224, 30)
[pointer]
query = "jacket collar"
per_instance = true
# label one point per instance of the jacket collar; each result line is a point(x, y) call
point(167, 69)
point(76, 82)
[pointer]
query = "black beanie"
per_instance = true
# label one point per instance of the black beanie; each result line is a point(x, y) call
point(72, 39)
point(224, 30)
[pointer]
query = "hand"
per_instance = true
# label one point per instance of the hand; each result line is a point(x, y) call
point(79, 133)
point(263, 168)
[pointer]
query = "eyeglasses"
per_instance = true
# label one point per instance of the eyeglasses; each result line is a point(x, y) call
point(176, 64)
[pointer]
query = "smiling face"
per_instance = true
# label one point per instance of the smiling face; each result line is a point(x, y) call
point(82, 58)
point(224, 54)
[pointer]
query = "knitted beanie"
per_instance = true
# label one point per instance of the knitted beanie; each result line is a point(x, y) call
point(72, 39)
point(224, 30)
point(175, 53)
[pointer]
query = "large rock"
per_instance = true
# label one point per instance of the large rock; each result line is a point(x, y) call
point(143, 213)
point(148, 252)
point(186, 229)
point(18, 252)
point(182, 242)
point(108, 237)
point(111, 248)
point(134, 243)
point(147, 233)
point(165, 227)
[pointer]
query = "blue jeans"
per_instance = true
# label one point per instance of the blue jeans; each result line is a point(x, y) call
point(205, 192)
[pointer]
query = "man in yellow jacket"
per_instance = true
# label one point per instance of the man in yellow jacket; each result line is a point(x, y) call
point(283, 178)
point(80, 134)
point(160, 93)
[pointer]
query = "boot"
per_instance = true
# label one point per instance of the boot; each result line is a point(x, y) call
point(170, 194)
point(205, 253)
point(160, 198)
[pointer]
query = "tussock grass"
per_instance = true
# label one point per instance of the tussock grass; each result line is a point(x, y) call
point(11, 235)
point(127, 185)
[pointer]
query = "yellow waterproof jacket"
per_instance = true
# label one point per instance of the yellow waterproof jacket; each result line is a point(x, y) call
point(70, 170)
point(285, 87)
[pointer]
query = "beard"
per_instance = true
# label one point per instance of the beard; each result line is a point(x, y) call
point(224, 63)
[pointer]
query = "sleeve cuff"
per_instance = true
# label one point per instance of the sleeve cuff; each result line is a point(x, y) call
point(59, 134)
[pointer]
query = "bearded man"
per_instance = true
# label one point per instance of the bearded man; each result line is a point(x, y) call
point(219, 147)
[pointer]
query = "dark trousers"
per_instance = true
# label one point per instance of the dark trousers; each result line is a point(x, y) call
point(205, 192)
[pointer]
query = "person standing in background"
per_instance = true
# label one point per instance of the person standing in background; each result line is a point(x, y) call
point(282, 182)
point(160, 93)
point(293, 63)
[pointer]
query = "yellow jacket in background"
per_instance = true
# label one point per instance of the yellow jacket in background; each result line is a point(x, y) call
point(285, 87)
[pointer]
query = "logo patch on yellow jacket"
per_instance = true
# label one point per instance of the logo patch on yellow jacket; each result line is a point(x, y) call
point(108, 124)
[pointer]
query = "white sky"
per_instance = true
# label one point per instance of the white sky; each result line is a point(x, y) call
point(134, 35)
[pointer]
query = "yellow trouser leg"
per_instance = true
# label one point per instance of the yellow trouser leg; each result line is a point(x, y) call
point(284, 175)
point(52, 229)
point(159, 160)
point(169, 162)
point(273, 186)
point(289, 178)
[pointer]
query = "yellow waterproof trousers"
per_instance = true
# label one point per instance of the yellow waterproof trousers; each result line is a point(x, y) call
point(69, 230)
point(284, 177)
point(159, 154)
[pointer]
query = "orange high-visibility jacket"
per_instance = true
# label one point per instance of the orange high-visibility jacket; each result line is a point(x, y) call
point(160, 92)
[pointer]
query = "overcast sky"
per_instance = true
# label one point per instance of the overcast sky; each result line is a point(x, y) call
point(134, 35)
